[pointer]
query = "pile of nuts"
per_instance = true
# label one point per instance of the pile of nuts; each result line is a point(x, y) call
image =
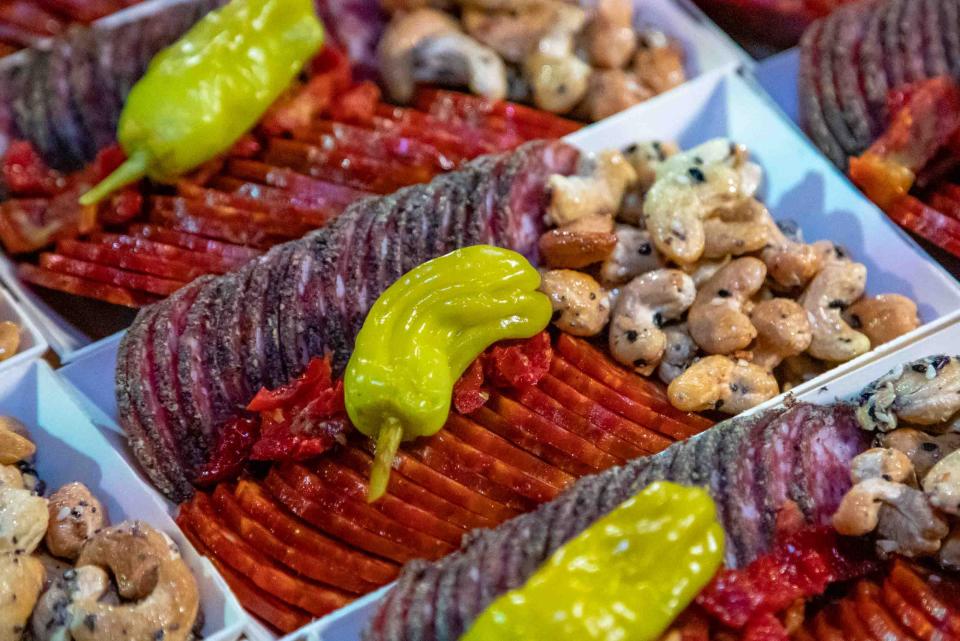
point(672, 255)
point(584, 59)
point(907, 489)
point(65, 574)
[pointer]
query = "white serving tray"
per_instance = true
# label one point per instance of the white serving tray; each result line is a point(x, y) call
point(71, 448)
point(708, 49)
point(778, 75)
point(799, 184)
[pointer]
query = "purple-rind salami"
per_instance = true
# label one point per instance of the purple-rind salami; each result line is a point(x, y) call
point(911, 40)
point(504, 558)
point(873, 77)
point(935, 54)
point(66, 126)
point(308, 297)
point(828, 85)
point(811, 108)
point(893, 56)
point(846, 61)
point(949, 28)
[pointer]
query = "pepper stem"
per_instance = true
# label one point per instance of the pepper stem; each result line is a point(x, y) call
point(388, 441)
point(130, 171)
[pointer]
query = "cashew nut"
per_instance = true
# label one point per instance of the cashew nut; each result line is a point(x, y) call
point(562, 248)
point(679, 353)
point(11, 476)
point(558, 83)
point(717, 320)
point(949, 553)
point(883, 318)
point(149, 572)
point(513, 33)
point(688, 190)
point(14, 444)
point(580, 305)
point(923, 450)
point(426, 45)
point(598, 193)
point(828, 294)
point(910, 526)
point(611, 91)
point(21, 580)
point(75, 514)
point(942, 484)
point(799, 369)
point(9, 339)
point(790, 264)
point(719, 382)
point(782, 331)
point(643, 306)
point(596, 224)
point(633, 254)
point(881, 463)
point(924, 392)
point(645, 158)
point(610, 38)
point(859, 510)
point(658, 62)
point(733, 234)
point(23, 520)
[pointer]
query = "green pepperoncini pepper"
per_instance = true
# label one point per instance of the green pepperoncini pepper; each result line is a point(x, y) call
point(626, 577)
point(207, 89)
point(422, 334)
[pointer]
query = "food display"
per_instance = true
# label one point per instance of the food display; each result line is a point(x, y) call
point(66, 572)
point(587, 60)
point(768, 24)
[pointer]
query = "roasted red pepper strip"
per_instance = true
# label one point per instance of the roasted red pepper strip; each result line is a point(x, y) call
point(318, 375)
point(232, 451)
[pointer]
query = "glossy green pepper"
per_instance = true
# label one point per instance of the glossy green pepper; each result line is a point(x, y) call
point(423, 333)
point(626, 577)
point(203, 92)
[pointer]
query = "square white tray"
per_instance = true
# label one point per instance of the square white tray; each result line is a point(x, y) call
point(71, 448)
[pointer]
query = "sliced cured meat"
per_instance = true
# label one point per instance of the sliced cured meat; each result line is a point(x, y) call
point(493, 561)
point(873, 77)
point(237, 254)
point(893, 57)
point(911, 41)
point(79, 286)
point(109, 275)
point(130, 259)
point(823, 461)
point(828, 83)
point(846, 61)
point(810, 93)
point(65, 124)
point(931, 31)
point(949, 28)
point(292, 308)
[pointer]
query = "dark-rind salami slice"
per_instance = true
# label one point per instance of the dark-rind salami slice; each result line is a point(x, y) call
point(92, 94)
point(229, 344)
point(893, 57)
point(413, 205)
point(261, 341)
point(935, 53)
point(292, 301)
point(276, 373)
point(949, 28)
point(911, 40)
point(811, 110)
point(828, 85)
point(37, 119)
point(873, 76)
point(826, 460)
point(852, 22)
point(74, 141)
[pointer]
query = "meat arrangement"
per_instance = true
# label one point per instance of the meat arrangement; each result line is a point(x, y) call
point(778, 24)
point(302, 540)
point(304, 298)
point(757, 469)
point(326, 144)
point(68, 573)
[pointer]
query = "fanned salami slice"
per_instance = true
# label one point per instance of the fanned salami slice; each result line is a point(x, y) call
point(292, 301)
point(92, 94)
point(811, 109)
point(932, 33)
point(65, 125)
point(949, 29)
point(273, 350)
point(846, 61)
point(828, 84)
point(893, 56)
point(873, 77)
point(227, 350)
point(911, 40)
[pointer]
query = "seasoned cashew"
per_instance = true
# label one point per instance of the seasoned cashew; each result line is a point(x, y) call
point(658, 62)
point(9, 339)
point(648, 301)
point(719, 382)
point(923, 450)
point(782, 331)
point(859, 511)
point(21, 580)
point(558, 83)
point(688, 190)
point(924, 392)
point(611, 91)
point(828, 294)
point(679, 353)
point(149, 571)
point(883, 318)
point(14, 444)
point(646, 157)
point(75, 514)
point(717, 320)
point(799, 369)
point(23, 520)
point(732, 238)
point(514, 33)
point(562, 248)
point(633, 254)
point(11, 476)
point(910, 526)
point(598, 193)
point(580, 305)
point(610, 38)
point(942, 484)
point(949, 554)
point(426, 45)
point(52, 617)
point(881, 463)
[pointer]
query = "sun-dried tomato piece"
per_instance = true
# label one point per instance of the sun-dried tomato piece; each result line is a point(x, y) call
point(299, 105)
point(231, 452)
point(317, 376)
point(765, 627)
point(469, 394)
point(519, 363)
point(26, 174)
